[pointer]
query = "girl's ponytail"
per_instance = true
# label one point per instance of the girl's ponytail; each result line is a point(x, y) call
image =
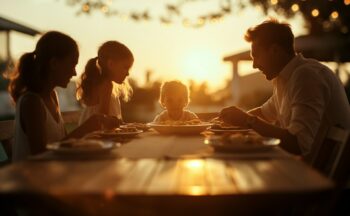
point(90, 78)
point(24, 77)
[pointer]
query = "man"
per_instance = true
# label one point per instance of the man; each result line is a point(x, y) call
point(307, 97)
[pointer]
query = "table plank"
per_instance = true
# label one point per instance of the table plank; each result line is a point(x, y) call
point(219, 179)
point(164, 180)
point(276, 175)
point(148, 147)
point(108, 176)
point(192, 177)
point(151, 145)
point(303, 176)
point(137, 179)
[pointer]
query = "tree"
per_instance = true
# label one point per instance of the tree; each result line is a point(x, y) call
point(172, 11)
point(320, 16)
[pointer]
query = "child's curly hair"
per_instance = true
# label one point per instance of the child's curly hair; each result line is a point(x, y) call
point(171, 86)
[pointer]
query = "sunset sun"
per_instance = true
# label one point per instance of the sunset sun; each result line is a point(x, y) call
point(202, 65)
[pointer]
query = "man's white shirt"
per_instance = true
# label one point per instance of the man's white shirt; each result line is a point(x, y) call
point(307, 95)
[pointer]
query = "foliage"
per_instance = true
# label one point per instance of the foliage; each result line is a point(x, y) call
point(172, 11)
point(320, 15)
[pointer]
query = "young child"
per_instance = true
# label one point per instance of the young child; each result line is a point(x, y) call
point(174, 97)
point(104, 81)
point(38, 118)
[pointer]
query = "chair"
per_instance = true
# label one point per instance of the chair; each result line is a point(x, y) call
point(332, 158)
point(340, 169)
point(6, 138)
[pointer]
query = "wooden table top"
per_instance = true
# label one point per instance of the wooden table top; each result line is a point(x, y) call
point(159, 178)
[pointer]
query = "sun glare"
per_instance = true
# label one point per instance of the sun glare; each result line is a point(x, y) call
point(202, 65)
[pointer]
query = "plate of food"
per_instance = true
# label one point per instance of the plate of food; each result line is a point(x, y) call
point(180, 127)
point(243, 143)
point(140, 126)
point(124, 131)
point(80, 146)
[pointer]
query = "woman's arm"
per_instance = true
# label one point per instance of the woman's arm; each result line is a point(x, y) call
point(95, 122)
point(32, 120)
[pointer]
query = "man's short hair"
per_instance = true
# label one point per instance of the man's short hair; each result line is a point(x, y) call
point(272, 32)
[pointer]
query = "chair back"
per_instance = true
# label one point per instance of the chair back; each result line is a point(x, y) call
point(333, 158)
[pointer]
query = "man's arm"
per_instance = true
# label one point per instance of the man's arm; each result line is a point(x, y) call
point(257, 112)
point(236, 116)
point(289, 141)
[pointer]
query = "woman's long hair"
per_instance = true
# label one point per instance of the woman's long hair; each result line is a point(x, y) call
point(94, 70)
point(31, 73)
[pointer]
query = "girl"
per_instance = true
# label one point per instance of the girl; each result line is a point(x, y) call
point(104, 81)
point(174, 97)
point(38, 118)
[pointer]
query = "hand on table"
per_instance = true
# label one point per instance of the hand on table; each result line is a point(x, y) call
point(101, 122)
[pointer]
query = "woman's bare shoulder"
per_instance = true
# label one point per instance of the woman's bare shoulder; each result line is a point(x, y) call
point(31, 103)
point(32, 111)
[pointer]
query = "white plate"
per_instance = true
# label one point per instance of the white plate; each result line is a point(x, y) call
point(103, 148)
point(118, 133)
point(180, 129)
point(262, 145)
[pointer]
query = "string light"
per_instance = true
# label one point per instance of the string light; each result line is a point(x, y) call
point(104, 9)
point(315, 12)
point(186, 23)
point(347, 2)
point(295, 7)
point(200, 21)
point(334, 15)
point(274, 2)
point(86, 8)
point(215, 20)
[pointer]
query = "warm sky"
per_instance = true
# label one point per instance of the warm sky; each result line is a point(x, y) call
point(171, 52)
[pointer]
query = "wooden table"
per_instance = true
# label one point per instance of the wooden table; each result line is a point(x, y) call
point(110, 186)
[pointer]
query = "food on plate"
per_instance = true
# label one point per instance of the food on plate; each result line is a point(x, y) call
point(241, 139)
point(126, 129)
point(137, 125)
point(174, 123)
point(226, 127)
point(180, 127)
point(81, 143)
point(220, 125)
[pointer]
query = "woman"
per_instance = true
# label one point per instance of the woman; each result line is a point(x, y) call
point(38, 118)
